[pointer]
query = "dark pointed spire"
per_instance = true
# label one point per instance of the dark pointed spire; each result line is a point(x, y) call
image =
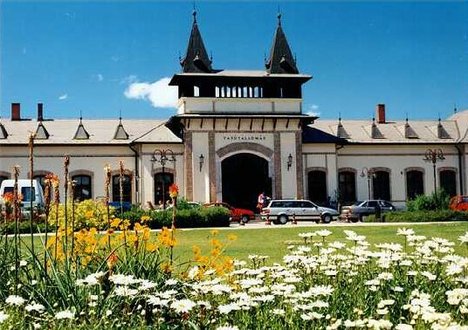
point(281, 59)
point(196, 58)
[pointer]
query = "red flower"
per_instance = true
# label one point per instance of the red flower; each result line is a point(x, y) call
point(173, 190)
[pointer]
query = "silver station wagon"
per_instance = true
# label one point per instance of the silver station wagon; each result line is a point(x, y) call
point(280, 211)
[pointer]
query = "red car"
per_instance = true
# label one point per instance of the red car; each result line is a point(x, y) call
point(237, 214)
point(459, 203)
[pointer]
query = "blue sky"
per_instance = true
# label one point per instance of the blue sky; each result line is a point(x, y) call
point(84, 56)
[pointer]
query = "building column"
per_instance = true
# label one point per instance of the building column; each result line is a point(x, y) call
point(212, 165)
point(188, 166)
point(299, 167)
point(277, 164)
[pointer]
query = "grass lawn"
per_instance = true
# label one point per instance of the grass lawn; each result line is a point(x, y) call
point(273, 241)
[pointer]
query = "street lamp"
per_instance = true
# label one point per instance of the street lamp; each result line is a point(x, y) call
point(433, 156)
point(369, 173)
point(162, 157)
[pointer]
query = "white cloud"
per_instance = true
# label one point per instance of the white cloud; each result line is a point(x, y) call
point(159, 93)
point(63, 97)
point(99, 77)
point(313, 110)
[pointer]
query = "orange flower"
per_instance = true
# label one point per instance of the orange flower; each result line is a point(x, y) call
point(112, 260)
point(173, 190)
point(8, 197)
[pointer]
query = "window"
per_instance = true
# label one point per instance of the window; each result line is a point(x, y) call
point(27, 193)
point(41, 180)
point(371, 204)
point(414, 184)
point(82, 187)
point(317, 187)
point(126, 188)
point(448, 182)
point(381, 185)
point(347, 186)
point(3, 177)
point(162, 181)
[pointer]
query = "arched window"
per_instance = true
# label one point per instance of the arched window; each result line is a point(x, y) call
point(41, 179)
point(347, 187)
point(414, 184)
point(196, 91)
point(83, 187)
point(162, 181)
point(317, 186)
point(381, 185)
point(126, 188)
point(448, 181)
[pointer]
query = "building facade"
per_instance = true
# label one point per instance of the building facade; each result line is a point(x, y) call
point(238, 133)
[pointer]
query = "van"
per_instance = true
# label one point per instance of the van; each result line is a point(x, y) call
point(29, 194)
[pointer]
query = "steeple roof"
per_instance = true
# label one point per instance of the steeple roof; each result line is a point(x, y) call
point(120, 133)
point(41, 132)
point(3, 132)
point(281, 59)
point(81, 133)
point(196, 59)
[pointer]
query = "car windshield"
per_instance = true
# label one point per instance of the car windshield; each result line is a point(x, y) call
point(357, 203)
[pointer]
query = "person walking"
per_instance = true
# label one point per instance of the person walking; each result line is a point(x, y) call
point(260, 201)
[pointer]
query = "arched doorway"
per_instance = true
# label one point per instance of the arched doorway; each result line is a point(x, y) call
point(244, 177)
point(317, 187)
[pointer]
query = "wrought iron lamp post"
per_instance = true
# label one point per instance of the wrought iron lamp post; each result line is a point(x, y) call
point(369, 173)
point(433, 156)
point(162, 157)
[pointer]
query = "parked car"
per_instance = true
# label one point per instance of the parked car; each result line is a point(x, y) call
point(237, 214)
point(459, 203)
point(360, 209)
point(28, 194)
point(280, 211)
point(126, 206)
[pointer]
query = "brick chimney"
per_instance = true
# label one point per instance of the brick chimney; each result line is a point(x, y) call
point(15, 111)
point(380, 113)
point(40, 115)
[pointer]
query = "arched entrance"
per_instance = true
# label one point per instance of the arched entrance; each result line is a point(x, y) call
point(244, 177)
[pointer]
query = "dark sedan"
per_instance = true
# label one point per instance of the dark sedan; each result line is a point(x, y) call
point(360, 209)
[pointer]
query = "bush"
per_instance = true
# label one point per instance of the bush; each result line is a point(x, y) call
point(88, 213)
point(24, 227)
point(439, 200)
point(216, 216)
point(190, 218)
point(421, 216)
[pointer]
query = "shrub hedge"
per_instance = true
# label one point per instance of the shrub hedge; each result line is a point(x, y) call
point(421, 216)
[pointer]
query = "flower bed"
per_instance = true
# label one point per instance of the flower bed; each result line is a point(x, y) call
point(321, 284)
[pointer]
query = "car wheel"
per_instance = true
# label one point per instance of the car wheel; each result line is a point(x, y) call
point(283, 219)
point(354, 219)
point(245, 219)
point(326, 218)
point(361, 217)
